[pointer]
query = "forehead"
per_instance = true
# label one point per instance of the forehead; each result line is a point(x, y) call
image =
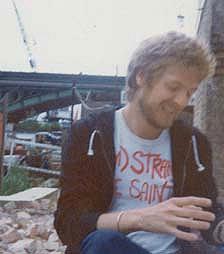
point(189, 77)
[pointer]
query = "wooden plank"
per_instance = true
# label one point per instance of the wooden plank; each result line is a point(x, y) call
point(3, 120)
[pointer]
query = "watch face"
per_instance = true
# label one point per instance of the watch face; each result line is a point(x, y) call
point(218, 233)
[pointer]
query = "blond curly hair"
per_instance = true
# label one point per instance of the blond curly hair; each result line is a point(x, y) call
point(156, 53)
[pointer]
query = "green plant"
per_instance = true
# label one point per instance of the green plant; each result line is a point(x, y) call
point(51, 126)
point(15, 181)
point(34, 126)
point(28, 125)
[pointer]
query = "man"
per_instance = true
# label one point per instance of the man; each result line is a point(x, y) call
point(138, 180)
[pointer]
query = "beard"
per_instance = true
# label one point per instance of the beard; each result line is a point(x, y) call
point(157, 116)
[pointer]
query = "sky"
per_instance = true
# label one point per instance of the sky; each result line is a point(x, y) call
point(93, 37)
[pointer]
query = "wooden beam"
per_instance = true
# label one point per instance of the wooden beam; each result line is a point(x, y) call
point(3, 117)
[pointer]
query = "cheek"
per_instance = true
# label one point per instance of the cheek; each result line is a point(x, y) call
point(155, 96)
point(160, 94)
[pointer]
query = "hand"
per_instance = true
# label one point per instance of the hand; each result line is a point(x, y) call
point(187, 212)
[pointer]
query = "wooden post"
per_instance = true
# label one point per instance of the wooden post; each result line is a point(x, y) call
point(3, 117)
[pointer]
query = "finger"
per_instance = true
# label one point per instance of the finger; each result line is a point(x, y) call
point(195, 201)
point(193, 207)
point(190, 223)
point(184, 235)
point(194, 213)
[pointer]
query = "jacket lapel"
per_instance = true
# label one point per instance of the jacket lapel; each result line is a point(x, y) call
point(180, 139)
point(106, 127)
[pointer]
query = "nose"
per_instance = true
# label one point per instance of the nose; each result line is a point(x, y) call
point(181, 99)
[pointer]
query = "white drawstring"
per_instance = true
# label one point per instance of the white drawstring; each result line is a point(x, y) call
point(90, 147)
point(196, 156)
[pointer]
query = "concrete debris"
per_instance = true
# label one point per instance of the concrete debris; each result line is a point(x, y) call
point(27, 228)
point(10, 236)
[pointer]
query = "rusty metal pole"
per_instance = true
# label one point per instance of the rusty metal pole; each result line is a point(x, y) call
point(3, 120)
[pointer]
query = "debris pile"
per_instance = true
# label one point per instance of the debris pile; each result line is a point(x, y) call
point(27, 228)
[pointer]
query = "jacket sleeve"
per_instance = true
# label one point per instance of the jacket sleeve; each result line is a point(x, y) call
point(75, 216)
point(208, 187)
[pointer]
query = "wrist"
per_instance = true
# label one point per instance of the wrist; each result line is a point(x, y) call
point(128, 221)
point(118, 220)
point(135, 218)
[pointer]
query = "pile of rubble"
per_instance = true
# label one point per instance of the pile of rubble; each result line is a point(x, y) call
point(27, 227)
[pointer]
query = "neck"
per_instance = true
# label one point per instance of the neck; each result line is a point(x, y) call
point(138, 124)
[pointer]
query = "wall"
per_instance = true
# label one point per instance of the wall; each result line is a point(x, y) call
point(209, 99)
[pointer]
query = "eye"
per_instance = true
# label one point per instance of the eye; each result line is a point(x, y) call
point(173, 87)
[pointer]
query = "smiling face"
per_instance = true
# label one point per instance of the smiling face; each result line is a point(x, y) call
point(161, 102)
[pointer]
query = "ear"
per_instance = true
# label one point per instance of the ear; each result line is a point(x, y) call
point(140, 80)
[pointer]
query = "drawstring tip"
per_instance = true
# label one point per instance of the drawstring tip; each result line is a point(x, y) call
point(90, 152)
point(201, 168)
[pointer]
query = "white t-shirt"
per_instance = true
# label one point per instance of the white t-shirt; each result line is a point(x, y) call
point(143, 177)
